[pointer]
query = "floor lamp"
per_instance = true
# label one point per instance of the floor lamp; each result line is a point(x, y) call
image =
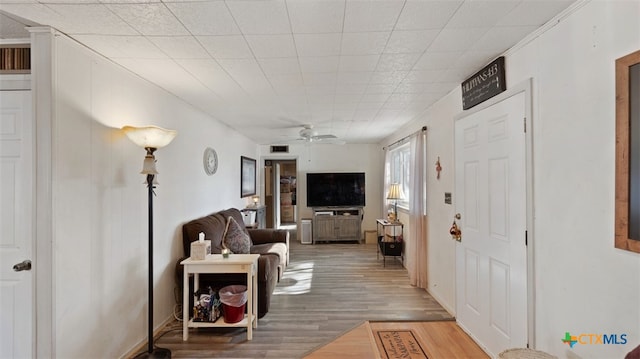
point(150, 138)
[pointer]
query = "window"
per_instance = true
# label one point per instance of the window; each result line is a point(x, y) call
point(399, 167)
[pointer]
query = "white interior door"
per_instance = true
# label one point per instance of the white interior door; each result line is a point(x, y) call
point(16, 224)
point(491, 258)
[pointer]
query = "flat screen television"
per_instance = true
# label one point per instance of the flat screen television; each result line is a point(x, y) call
point(335, 189)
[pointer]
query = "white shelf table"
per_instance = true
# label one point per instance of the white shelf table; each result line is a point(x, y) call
point(215, 263)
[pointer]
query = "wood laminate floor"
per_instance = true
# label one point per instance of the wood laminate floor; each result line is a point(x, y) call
point(437, 340)
point(327, 290)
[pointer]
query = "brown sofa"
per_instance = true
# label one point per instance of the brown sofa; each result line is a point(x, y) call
point(271, 244)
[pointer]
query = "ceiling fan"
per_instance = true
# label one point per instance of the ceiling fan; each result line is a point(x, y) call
point(309, 135)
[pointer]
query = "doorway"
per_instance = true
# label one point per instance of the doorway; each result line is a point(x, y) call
point(281, 193)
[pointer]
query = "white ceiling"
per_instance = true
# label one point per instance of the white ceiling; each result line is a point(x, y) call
point(358, 69)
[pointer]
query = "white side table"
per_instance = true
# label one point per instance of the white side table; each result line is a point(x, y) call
point(215, 263)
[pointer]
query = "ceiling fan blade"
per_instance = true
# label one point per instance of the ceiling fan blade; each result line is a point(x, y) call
point(323, 137)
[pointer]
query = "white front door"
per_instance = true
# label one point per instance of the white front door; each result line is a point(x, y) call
point(16, 224)
point(491, 258)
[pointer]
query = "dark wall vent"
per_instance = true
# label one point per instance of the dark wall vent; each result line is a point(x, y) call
point(15, 59)
point(280, 149)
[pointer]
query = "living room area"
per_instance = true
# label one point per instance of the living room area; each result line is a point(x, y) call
point(87, 294)
point(326, 291)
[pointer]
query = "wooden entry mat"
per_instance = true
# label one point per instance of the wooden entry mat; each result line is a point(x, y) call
point(396, 344)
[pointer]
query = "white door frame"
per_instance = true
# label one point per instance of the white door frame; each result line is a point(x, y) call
point(526, 87)
point(42, 85)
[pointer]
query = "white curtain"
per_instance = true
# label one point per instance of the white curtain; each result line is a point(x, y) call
point(387, 182)
point(416, 251)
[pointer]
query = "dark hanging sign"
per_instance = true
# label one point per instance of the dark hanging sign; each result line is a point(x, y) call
point(484, 84)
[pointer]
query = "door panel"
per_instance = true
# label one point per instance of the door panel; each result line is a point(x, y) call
point(16, 224)
point(491, 259)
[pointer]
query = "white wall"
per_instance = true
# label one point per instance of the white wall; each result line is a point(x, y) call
point(100, 201)
point(365, 158)
point(583, 284)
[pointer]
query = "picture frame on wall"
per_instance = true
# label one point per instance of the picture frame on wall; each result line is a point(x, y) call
point(627, 193)
point(247, 176)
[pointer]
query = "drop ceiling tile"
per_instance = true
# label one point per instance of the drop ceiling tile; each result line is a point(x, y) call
point(397, 62)
point(365, 114)
point(534, 13)
point(402, 42)
point(387, 114)
point(226, 47)
point(411, 88)
point(364, 43)
point(380, 88)
point(36, 13)
point(401, 98)
point(319, 64)
point(149, 19)
point(346, 103)
point(378, 15)
point(432, 60)
point(419, 14)
point(214, 77)
point(284, 90)
point(260, 17)
point(314, 90)
point(325, 99)
point(270, 46)
point(167, 73)
point(246, 72)
point(457, 39)
point(378, 98)
point(354, 78)
point(111, 1)
point(316, 16)
point(350, 89)
point(318, 44)
point(284, 65)
point(122, 46)
point(205, 18)
point(283, 81)
point(480, 13)
point(458, 74)
point(344, 114)
point(358, 63)
point(502, 38)
point(319, 78)
point(394, 105)
point(180, 47)
point(422, 76)
point(475, 59)
point(388, 77)
point(11, 29)
point(90, 19)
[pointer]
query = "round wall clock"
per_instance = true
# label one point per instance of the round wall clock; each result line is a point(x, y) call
point(210, 161)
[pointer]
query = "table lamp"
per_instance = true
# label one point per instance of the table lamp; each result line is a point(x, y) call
point(395, 193)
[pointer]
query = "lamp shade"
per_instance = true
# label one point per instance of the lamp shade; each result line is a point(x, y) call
point(149, 136)
point(395, 191)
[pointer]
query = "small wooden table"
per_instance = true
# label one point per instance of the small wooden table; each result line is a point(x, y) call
point(394, 246)
point(215, 263)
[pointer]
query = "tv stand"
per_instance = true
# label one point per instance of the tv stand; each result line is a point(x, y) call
point(338, 224)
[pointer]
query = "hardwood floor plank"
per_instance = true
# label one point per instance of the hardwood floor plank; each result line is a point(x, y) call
point(326, 290)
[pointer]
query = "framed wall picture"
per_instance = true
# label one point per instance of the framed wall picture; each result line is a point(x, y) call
point(247, 176)
point(627, 218)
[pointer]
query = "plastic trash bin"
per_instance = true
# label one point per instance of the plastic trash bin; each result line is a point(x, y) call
point(234, 300)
